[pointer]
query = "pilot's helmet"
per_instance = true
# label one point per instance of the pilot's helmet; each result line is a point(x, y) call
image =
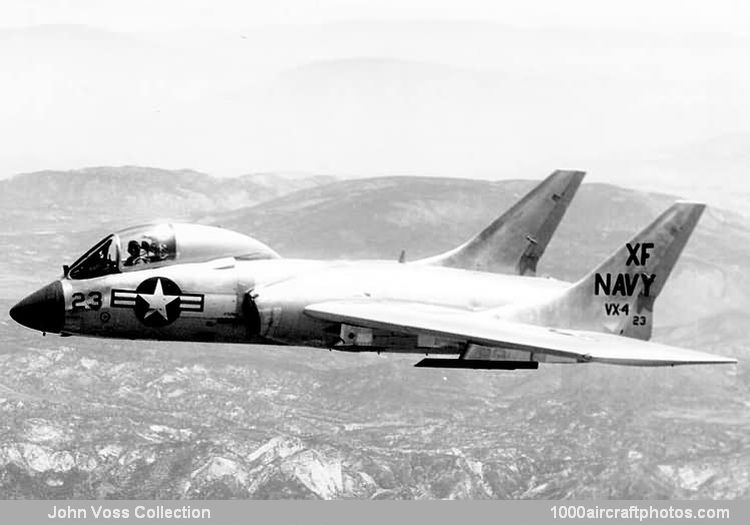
point(134, 248)
point(160, 250)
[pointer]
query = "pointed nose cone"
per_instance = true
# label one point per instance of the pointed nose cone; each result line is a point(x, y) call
point(44, 310)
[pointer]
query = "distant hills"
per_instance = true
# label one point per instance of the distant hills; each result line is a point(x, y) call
point(714, 171)
point(107, 196)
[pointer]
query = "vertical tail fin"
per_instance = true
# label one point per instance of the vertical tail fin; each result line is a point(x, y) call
point(618, 296)
point(515, 241)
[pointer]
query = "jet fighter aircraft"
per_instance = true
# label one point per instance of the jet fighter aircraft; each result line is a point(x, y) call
point(478, 306)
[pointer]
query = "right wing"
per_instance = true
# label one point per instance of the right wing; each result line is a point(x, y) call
point(480, 329)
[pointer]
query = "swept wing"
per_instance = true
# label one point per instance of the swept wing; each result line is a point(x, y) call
point(482, 329)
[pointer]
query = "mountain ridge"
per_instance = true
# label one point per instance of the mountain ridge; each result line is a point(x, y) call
point(135, 193)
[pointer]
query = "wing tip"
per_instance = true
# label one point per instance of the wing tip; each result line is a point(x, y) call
point(575, 175)
point(684, 203)
point(709, 360)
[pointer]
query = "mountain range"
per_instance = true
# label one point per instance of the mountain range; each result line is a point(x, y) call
point(110, 196)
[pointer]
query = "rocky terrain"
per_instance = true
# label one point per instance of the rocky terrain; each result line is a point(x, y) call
point(89, 418)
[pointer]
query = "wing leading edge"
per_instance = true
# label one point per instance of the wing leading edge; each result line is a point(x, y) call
point(486, 330)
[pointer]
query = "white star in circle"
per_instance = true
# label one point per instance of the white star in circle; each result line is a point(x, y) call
point(158, 302)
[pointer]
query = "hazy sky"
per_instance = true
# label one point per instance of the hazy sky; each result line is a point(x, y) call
point(138, 15)
point(634, 91)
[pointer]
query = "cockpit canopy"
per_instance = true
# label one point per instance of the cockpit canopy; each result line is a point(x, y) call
point(156, 245)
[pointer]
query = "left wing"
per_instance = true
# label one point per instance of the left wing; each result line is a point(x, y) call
point(514, 242)
point(482, 329)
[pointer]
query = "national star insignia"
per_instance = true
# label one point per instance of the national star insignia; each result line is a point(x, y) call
point(157, 301)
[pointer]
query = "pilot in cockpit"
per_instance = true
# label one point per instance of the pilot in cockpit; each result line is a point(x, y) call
point(145, 251)
point(136, 254)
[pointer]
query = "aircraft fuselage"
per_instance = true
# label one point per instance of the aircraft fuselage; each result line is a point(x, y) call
point(263, 301)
